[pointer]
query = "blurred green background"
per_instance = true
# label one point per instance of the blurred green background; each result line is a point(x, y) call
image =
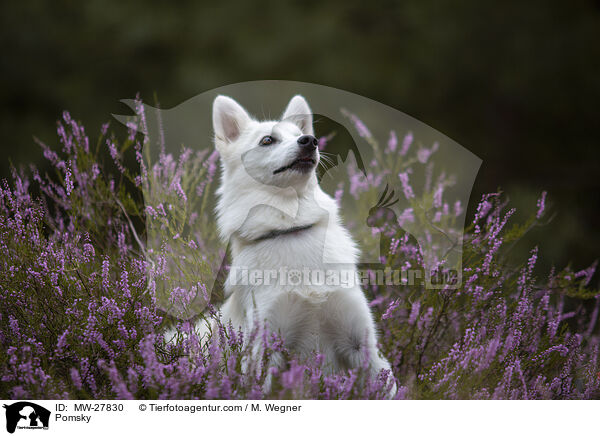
point(516, 83)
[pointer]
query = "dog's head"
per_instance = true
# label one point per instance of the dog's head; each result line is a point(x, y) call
point(280, 153)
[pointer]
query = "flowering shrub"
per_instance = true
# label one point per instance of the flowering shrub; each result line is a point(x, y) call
point(79, 316)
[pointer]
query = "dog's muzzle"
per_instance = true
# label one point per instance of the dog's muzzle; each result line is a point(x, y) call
point(307, 157)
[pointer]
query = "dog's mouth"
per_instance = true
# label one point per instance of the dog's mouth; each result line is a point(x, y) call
point(302, 164)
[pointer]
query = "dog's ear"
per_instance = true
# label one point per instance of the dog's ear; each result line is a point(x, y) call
point(299, 113)
point(229, 119)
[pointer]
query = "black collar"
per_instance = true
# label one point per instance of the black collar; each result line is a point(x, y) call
point(275, 233)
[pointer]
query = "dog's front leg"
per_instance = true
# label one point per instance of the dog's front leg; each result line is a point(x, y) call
point(350, 336)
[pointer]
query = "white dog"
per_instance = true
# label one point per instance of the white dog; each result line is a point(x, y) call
point(282, 227)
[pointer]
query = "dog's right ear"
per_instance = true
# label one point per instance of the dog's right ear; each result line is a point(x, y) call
point(229, 119)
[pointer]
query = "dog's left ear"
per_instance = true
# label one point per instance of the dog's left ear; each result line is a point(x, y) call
point(299, 113)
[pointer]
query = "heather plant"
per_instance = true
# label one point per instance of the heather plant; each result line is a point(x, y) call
point(80, 315)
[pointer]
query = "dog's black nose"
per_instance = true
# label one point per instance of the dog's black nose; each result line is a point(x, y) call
point(308, 142)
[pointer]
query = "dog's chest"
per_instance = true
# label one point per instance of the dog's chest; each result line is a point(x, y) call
point(296, 250)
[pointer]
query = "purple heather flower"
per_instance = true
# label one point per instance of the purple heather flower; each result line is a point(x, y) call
point(361, 128)
point(322, 142)
point(414, 312)
point(437, 196)
point(541, 204)
point(391, 308)
point(406, 143)
point(408, 192)
point(68, 180)
point(424, 154)
point(392, 143)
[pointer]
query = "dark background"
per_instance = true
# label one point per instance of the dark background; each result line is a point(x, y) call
point(517, 84)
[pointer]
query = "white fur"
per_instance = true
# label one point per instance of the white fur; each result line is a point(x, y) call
point(334, 321)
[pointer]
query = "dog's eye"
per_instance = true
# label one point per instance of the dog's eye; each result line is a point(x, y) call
point(267, 140)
